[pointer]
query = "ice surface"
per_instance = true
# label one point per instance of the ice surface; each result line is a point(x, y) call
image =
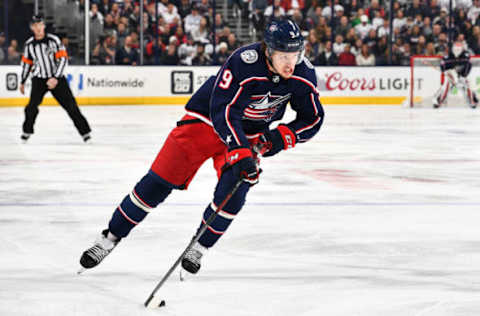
point(376, 216)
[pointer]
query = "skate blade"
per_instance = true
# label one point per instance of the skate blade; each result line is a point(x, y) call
point(81, 270)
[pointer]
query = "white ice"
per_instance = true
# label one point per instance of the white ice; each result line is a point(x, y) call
point(376, 216)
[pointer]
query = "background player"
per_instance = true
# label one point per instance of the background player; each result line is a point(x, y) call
point(455, 68)
point(227, 115)
point(46, 57)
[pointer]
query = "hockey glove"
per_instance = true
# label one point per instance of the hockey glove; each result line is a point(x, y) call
point(243, 165)
point(277, 139)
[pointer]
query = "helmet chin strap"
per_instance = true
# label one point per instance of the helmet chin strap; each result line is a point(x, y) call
point(270, 61)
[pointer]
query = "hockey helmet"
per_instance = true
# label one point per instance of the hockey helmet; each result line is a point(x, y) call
point(284, 36)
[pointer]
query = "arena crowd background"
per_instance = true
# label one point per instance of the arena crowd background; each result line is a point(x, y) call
point(204, 32)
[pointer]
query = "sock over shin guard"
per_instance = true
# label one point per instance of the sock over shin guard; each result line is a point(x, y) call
point(225, 217)
point(145, 196)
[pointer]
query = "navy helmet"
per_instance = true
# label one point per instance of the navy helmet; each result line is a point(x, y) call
point(284, 36)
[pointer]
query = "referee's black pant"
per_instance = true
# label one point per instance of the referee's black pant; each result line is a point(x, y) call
point(63, 95)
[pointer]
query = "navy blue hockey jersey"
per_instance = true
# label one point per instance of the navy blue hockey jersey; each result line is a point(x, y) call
point(244, 98)
point(461, 64)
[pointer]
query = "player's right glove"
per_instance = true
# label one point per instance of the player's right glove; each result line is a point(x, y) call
point(277, 139)
point(243, 164)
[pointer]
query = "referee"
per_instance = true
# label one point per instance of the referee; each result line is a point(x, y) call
point(46, 57)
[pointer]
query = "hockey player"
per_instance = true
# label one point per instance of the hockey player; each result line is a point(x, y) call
point(230, 112)
point(455, 69)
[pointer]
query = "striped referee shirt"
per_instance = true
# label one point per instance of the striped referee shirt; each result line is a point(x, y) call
point(46, 58)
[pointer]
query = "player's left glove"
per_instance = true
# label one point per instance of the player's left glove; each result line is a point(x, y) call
point(243, 164)
point(278, 139)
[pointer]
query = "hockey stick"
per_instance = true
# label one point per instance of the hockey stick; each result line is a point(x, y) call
point(150, 302)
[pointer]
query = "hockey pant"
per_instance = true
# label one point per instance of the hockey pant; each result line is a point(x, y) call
point(449, 80)
point(187, 147)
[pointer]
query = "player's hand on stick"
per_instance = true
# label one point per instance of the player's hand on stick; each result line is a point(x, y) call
point(243, 165)
point(22, 89)
point(278, 139)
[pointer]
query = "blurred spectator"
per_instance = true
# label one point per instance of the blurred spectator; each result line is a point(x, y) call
point(416, 8)
point(399, 21)
point(180, 35)
point(346, 58)
point(71, 53)
point(95, 14)
point(339, 45)
point(222, 54)
point(404, 56)
point(203, 7)
point(427, 29)
point(223, 35)
point(152, 51)
point(162, 7)
point(274, 11)
point(184, 8)
point(3, 51)
point(327, 57)
point(192, 21)
point(127, 8)
point(377, 20)
point(121, 33)
point(13, 55)
point(432, 10)
point(373, 9)
point(170, 56)
point(104, 7)
point(232, 43)
point(291, 5)
point(365, 58)
point(356, 48)
point(442, 44)
point(171, 14)
point(371, 39)
point(104, 51)
point(384, 30)
point(420, 47)
point(219, 23)
point(309, 53)
point(186, 51)
point(313, 41)
point(363, 28)
point(109, 24)
point(201, 33)
point(258, 19)
point(201, 58)
point(126, 55)
point(343, 27)
point(430, 50)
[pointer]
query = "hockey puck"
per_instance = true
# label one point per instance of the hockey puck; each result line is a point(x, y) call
point(162, 303)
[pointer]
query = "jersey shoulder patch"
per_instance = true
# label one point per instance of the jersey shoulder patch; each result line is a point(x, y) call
point(249, 56)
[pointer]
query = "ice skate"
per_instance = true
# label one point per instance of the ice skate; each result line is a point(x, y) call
point(87, 138)
point(24, 137)
point(95, 254)
point(191, 261)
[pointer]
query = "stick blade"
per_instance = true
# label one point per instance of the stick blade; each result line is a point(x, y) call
point(154, 302)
